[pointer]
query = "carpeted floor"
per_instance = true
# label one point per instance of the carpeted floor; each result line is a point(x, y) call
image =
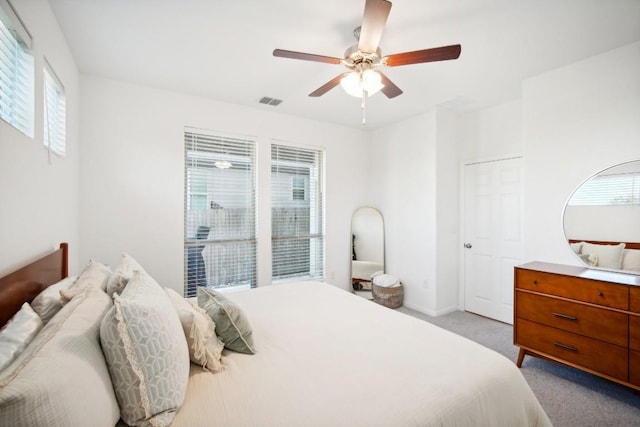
point(569, 396)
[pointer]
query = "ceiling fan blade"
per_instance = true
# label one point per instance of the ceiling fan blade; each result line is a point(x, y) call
point(375, 17)
point(389, 89)
point(327, 86)
point(305, 56)
point(426, 55)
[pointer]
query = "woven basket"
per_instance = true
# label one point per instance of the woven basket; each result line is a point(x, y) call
point(389, 297)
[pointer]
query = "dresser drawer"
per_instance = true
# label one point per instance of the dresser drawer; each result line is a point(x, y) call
point(593, 291)
point(589, 353)
point(603, 324)
point(634, 332)
point(634, 367)
point(634, 299)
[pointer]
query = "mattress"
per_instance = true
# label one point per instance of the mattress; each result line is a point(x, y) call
point(326, 357)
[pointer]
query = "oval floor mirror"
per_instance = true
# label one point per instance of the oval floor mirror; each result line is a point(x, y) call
point(367, 248)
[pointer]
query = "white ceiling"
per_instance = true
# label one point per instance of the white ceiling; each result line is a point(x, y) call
point(223, 49)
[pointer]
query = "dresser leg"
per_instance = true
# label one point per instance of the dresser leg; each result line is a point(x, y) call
point(520, 358)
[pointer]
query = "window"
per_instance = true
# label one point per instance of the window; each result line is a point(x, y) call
point(298, 185)
point(219, 211)
point(16, 72)
point(619, 189)
point(54, 112)
point(297, 212)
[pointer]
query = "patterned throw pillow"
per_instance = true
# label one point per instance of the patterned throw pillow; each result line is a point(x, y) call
point(146, 351)
point(232, 325)
point(205, 348)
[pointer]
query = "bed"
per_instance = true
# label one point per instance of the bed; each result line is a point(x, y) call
point(316, 366)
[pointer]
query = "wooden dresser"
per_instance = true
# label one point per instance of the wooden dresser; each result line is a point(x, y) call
point(588, 319)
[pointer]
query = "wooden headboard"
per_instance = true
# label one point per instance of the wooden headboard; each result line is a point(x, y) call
point(24, 284)
point(627, 245)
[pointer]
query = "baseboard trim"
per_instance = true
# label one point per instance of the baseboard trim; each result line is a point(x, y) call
point(432, 313)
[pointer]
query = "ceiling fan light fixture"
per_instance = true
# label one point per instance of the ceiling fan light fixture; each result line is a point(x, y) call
point(371, 81)
point(355, 82)
point(351, 84)
point(222, 164)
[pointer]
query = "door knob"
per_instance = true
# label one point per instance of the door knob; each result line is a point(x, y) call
point(468, 245)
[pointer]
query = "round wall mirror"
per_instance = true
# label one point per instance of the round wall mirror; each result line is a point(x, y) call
point(367, 249)
point(602, 219)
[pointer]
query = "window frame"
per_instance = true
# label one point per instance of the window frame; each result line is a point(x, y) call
point(621, 189)
point(17, 65)
point(242, 241)
point(52, 87)
point(314, 197)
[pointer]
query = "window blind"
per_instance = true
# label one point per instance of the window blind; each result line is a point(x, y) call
point(16, 72)
point(623, 189)
point(54, 113)
point(219, 211)
point(297, 212)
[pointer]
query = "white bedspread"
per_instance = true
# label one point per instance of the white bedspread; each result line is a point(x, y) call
point(329, 358)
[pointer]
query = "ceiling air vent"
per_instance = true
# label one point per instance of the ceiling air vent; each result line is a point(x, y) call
point(270, 101)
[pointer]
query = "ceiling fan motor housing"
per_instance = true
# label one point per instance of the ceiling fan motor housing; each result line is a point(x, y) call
point(353, 58)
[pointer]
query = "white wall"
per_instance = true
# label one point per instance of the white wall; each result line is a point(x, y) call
point(447, 207)
point(38, 200)
point(414, 182)
point(403, 187)
point(491, 133)
point(577, 120)
point(605, 223)
point(131, 190)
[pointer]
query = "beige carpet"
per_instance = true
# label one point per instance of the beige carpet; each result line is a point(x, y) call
point(569, 396)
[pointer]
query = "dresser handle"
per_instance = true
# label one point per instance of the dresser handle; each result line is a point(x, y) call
point(566, 347)
point(600, 294)
point(565, 316)
point(535, 282)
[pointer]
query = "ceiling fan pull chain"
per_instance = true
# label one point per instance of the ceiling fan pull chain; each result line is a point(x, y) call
point(362, 107)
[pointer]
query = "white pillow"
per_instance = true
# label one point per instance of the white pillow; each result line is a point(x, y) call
point(18, 333)
point(93, 274)
point(122, 274)
point(146, 351)
point(61, 378)
point(608, 256)
point(49, 301)
point(205, 348)
point(631, 260)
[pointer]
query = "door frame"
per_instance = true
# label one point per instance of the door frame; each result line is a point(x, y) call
point(461, 222)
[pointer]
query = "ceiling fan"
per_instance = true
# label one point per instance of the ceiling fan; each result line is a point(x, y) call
point(363, 79)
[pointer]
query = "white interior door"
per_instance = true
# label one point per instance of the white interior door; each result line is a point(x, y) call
point(493, 236)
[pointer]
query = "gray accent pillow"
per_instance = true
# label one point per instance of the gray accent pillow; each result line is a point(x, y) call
point(146, 351)
point(232, 325)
